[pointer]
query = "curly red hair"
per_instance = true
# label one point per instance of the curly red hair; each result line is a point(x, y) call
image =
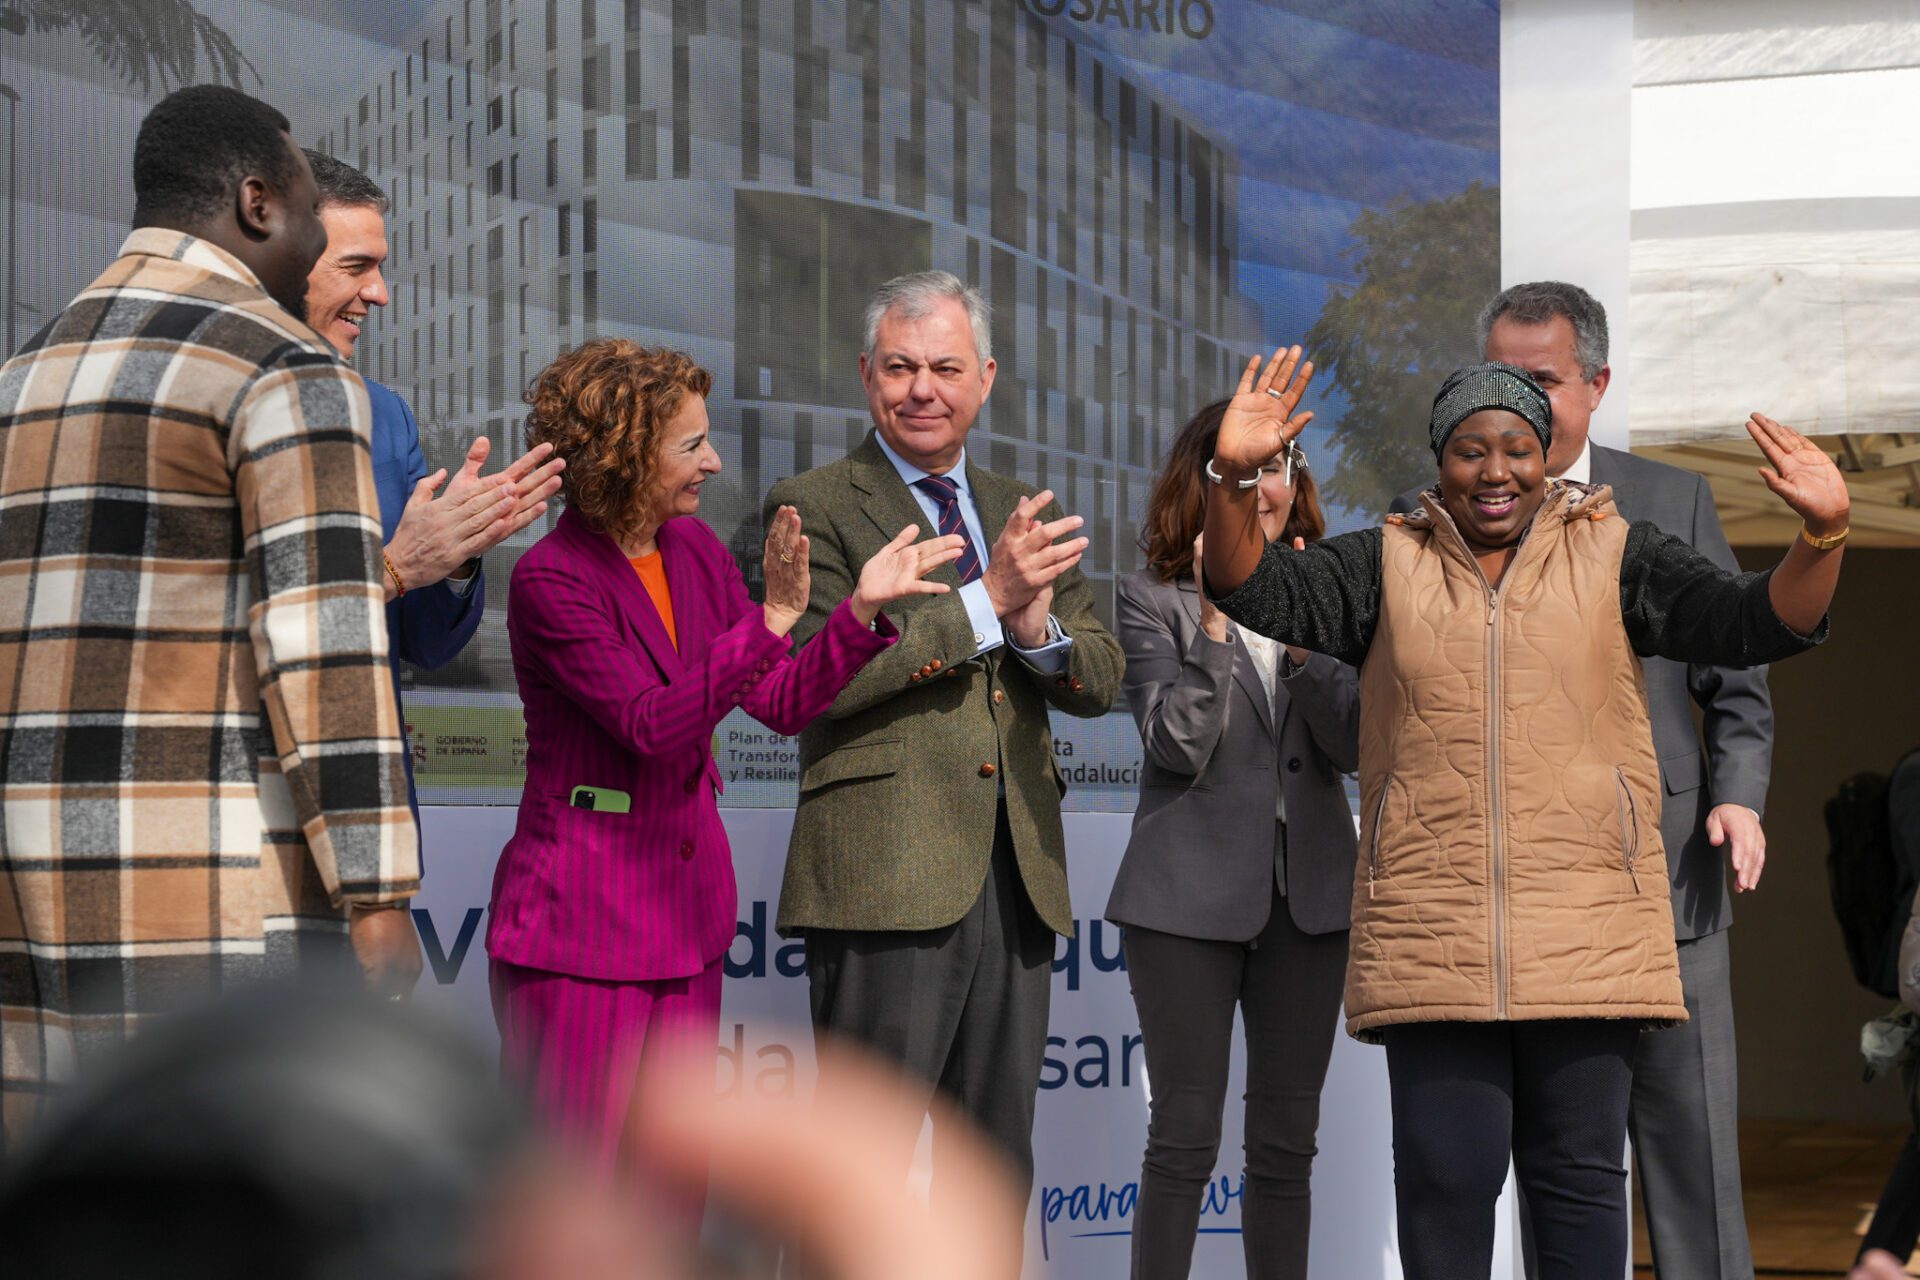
point(602, 406)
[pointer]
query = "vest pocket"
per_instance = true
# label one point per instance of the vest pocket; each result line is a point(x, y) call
point(1373, 836)
point(1629, 811)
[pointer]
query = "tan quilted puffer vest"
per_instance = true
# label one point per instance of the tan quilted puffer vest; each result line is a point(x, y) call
point(1511, 865)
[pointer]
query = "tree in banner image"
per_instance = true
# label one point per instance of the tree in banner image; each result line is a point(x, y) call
point(1425, 270)
point(139, 39)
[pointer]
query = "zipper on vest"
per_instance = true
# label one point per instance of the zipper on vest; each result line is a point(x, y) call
point(1629, 827)
point(1373, 844)
point(1495, 818)
point(1498, 922)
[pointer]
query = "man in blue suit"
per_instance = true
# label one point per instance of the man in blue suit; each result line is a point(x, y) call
point(436, 591)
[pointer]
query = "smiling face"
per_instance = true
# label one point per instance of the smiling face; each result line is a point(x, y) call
point(1493, 477)
point(1275, 496)
point(925, 384)
point(1548, 352)
point(347, 282)
point(684, 460)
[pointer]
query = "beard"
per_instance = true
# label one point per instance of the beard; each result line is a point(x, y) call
point(292, 300)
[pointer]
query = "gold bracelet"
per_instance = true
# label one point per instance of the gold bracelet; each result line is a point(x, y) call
point(1827, 543)
point(400, 587)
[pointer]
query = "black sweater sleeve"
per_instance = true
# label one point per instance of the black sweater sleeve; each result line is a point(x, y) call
point(1678, 604)
point(1325, 598)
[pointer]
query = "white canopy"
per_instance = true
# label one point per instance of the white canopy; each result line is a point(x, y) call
point(1776, 246)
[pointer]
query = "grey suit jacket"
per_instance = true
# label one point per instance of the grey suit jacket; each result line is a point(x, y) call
point(1200, 862)
point(901, 780)
point(1737, 711)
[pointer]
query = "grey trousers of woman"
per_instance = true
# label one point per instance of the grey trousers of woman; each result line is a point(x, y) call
point(1287, 986)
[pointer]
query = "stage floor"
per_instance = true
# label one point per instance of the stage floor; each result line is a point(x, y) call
point(1810, 1188)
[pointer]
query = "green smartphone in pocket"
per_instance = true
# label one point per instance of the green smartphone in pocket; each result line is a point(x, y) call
point(602, 800)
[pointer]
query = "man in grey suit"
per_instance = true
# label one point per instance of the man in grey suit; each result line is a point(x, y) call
point(1685, 1112)
point(927, 868)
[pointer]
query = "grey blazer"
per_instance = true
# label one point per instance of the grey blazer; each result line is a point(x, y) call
point(1200, 862)
point(1737, 711)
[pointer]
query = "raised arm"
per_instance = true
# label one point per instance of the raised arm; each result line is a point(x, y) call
point(1258, 422)
point(1804, 477)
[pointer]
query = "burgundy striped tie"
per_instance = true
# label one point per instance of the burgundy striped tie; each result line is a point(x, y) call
point(946, 493)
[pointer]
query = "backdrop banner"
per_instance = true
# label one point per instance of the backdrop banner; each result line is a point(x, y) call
point(1092, 1117)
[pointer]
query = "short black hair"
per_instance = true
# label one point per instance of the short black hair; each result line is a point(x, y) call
point(342, 184)
point(197, 145)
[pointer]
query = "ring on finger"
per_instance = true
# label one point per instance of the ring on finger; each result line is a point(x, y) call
point(1276, 393)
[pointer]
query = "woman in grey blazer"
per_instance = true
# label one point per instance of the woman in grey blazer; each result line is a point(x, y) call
point(1238, 879)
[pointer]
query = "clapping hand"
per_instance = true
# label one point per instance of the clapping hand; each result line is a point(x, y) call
point(1802, 475)
point(477, 513)
point(900, 569)
point(786, 571)
point(1025, 560)
point(1260, 418)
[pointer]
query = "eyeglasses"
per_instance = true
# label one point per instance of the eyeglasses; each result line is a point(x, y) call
point(1283, 466)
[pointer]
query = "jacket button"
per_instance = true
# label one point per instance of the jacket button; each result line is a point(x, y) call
point(763, 664)
point(934, 665)
point(988, 770)
point(998, 697)
point(1293, 765)
point(686, 848)
point(1077, 686)
point(693, 781)
point(915, 677)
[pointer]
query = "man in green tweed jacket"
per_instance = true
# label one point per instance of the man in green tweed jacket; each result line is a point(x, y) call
point(927, 868)
point(203, 776)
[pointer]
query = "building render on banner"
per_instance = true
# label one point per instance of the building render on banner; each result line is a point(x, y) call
point(734, 178)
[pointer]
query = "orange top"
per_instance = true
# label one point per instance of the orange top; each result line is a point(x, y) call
point(653, 576)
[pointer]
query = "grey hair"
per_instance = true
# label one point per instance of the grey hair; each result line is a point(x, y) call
point(1539, 301)
point(342, 184)
point(917, 294)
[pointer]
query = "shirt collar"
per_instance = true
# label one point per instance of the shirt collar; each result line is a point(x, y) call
point(911, 473)
point(1581, 470)
point(164, 242)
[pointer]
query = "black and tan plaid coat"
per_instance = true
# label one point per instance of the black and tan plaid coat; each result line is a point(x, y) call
point(200, 754)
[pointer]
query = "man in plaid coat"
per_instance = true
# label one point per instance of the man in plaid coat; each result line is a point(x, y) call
point(200, 754)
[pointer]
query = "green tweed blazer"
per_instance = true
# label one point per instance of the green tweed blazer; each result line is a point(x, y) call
point(900, 779)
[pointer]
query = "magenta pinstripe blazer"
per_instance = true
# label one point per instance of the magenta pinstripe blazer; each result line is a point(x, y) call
point(610, 703)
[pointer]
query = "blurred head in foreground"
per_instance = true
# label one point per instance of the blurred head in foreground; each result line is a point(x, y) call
point(334, 1136)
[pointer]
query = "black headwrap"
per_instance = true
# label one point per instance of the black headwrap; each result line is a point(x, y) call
point(1489, 386)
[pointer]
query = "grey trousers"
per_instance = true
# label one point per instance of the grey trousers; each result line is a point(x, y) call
point(963, 1008)
point(1685, 1124)
point(1684, 1120)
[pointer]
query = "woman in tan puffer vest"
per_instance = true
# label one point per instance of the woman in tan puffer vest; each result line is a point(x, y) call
point(1511, 927)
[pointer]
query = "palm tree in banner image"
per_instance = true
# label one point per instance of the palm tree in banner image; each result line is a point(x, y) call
point(140, 39)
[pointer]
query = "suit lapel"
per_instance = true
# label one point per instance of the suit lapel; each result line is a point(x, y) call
point(1602, 470)
point(884, 496)
point(600, 555)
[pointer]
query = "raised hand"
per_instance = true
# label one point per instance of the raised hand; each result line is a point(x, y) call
point(900, 569)
point(786, 571)
point(1025, 557)
point(1802, 475)
point(1260, 418)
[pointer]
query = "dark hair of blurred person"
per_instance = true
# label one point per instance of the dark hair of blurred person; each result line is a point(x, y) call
point(1235, 890)
point(293, 1135)
point(1178, 502)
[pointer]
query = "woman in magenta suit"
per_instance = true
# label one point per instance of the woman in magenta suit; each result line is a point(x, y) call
point(633, 635)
